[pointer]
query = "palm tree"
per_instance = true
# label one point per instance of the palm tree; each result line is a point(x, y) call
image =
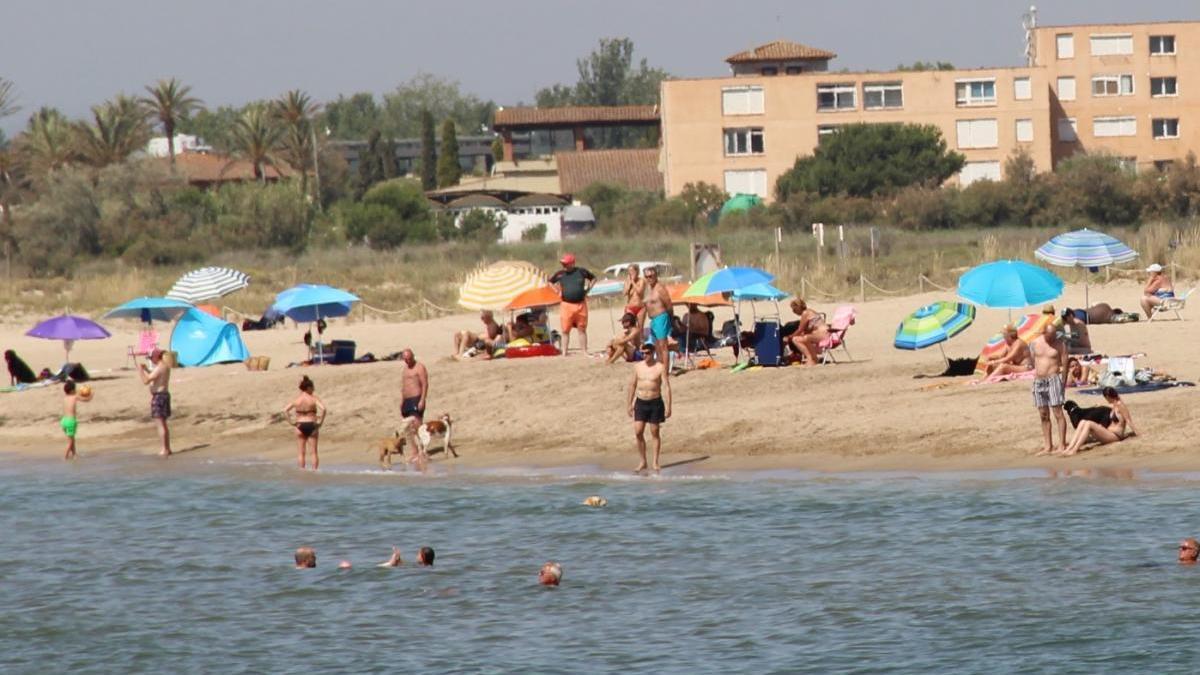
point(296, 111)
point(169, 101)
point(117, 130)
point(255, 137)
point(8, 106)
point(46, 143)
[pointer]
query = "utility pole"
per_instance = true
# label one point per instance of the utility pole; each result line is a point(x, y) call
point(316, 166)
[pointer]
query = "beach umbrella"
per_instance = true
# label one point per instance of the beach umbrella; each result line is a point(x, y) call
point(496, 285)
point(728, 280)
point(207, 283)
point(1009, 284)
point(306, 303)
point(680, 296)
point(68, 328)
point(1085, 248)
point(1028, 327)
point(543, 296)
point(149, 309)
point(933, 324)
point(763, 291)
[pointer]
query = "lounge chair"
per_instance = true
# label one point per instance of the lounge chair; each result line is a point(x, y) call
point(147, 342)
point(843, 317)
point(1172, 305)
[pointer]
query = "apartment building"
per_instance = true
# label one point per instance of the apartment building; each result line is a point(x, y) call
point(1124, 89)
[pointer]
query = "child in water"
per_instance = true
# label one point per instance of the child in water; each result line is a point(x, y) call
point(69, 424)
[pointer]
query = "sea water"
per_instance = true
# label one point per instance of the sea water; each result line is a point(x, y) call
point(130, 565)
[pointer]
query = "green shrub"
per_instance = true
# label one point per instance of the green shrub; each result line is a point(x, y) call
point(537, 233)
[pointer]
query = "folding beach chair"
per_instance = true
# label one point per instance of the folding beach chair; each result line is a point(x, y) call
point(1172, 305)
point(147, 342)
point(843, 317)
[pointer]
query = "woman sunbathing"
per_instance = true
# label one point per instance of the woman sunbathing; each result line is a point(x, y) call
point(808, 335)
point(1120, 426)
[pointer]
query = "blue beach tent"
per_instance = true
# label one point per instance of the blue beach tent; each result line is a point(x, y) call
point(204, 340)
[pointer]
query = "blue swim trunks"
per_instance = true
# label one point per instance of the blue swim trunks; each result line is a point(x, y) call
point(660, 326)
point(1164, 294)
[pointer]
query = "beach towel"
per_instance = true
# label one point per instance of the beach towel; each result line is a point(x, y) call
point(1009, 377)
point(1139, 388)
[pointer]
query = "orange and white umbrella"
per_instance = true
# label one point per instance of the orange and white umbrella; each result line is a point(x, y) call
point(496, 285)
point(544, 296)
point(711, 300)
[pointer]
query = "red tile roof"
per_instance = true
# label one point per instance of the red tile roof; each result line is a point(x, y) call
point(635, 169)
point(206, 168)
point(780, 50)
point(597, 114)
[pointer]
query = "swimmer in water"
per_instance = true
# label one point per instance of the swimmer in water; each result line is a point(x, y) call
point(425, 557)
point(393, 561)
point(306, 557)
point(1189, 551)
point(550, 574)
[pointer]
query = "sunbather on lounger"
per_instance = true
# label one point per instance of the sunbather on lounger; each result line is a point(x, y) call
point(808, 335)
point(1158, 288)
point(1016, 357)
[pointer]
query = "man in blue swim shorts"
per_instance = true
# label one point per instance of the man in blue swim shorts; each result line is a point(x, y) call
point(658, 310)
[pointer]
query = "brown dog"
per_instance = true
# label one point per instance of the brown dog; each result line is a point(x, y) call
point(392, 445)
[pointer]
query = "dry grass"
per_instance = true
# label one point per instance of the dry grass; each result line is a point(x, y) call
point(403, 278)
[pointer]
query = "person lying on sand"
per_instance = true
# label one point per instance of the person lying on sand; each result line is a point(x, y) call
point(1120, 426)
point(1015, 358)
point(465, 340)
point(624, 345)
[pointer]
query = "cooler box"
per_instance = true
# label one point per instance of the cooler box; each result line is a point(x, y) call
point(768, 345)
point(343, 351)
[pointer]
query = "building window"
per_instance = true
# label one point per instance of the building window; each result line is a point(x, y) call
point(825, 131)
point(836, 97)
point(743, 142)
point(794, 70)
point(1067, 130)
point(1165, 127)
point(1108, 127)
point(769, 70)
point(975, 92)
point(749, 182)
point(1162, 45)
point(1066, 89)
point(742, 100)
point(977, 171)
point(1022, 89)
point(1163, 164)
point(1111, 45)
point(880, 95)
point(1112, 85)
point(1024, 131)
point(1065, 42)
point(1129, 164)
point(977, 133)
point(1163, 86)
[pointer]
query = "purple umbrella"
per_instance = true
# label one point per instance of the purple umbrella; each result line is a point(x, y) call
point(68, 329)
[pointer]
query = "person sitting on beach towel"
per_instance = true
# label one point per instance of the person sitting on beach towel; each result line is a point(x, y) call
point(1016, 357)
point(1119, 427)
point(1158, 288)
point(19, 372)
point(464, 340)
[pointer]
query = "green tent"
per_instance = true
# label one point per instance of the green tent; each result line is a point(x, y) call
point(739, 203)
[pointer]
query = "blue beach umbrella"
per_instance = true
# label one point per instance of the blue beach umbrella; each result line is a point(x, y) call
point(763, 291)
point(149, 309)
point(309, 302)
point(727, 280)
point(1009, 284)
point(1085, 248)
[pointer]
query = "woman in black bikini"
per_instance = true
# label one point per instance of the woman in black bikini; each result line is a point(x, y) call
point(309, 416)
point(1120, 426)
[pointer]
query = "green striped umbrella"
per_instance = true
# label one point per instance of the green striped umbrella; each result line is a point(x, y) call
point(934, 324)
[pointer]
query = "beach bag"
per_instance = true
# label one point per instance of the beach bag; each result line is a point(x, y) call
point(1120, 373)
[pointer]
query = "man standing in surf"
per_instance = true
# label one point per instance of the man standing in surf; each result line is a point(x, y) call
point(1050, 383)
point(649, 403)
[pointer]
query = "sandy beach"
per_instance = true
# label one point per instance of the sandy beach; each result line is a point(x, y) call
point(868, 414)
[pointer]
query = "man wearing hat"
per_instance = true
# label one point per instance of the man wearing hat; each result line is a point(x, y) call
point(573, 284)
point(1158, 288)
point(158, 379)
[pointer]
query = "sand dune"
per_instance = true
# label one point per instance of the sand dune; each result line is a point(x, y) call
point(866, 414)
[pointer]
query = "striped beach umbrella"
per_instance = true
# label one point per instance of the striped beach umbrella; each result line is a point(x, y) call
point(1085, 248)
point(1028, 328)
point(207, 283)
point(934, 324)
point(496, 285)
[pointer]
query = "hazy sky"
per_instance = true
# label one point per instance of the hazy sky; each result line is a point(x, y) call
point(72, 54)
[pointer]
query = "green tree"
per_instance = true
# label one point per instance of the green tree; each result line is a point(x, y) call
point(482, 225)
point(215, 127)
point(497, 150)
point(1096, 188)
point(168, 102)
point(370, 164)
point(702, 199)
point(448, 169)
point(117, 129)
point(919, 66)
point(412, 219)
point(351, 118)
point(46, 143)
point(295, 111)
point(428, 152)
point(443, 98)
point(863, 160)
point(256, 138)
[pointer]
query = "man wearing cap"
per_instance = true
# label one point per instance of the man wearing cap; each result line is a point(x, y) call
point(573, 284)
point(158, 379)
point(649, 402)
point(1158, 288)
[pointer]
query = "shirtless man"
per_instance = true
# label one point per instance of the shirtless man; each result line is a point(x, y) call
point(635, 295)
point(414, 388)
point(158, 379)
point(1050, 385)
point(1015, 358)
point(649, 403)
point(1158, 288)
point(464, 340)
point(658, 309)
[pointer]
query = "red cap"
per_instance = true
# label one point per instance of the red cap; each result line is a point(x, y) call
point(568, 259)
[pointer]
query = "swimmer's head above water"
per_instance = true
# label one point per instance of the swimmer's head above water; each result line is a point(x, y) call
point(1189, 551)
point(550, 574)
point(306, 557)
point(425, 556)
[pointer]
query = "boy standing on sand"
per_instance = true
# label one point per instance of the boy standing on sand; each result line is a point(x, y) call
point(649, 403)
point(1050, 385)
point(69, 424)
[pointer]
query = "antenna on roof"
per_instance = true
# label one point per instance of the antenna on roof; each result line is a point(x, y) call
point(1029, 23)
